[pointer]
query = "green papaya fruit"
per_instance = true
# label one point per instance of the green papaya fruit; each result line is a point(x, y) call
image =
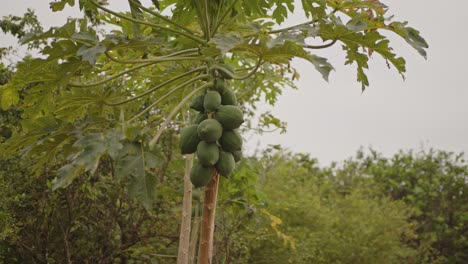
point(229, 116)
point(225, 69)
point(200, 175)
point(189, 139)
point(207, 153)
point(228, 97)
point(225, 165)
point(210, 130)
point(200, 117)
point(237, 155)
point(212, 101)
point(220, 85)
point(231, 140)
point(197, 103)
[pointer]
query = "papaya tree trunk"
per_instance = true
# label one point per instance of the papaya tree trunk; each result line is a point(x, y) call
point(205, 252)
point(184, 237)
point(194, 235)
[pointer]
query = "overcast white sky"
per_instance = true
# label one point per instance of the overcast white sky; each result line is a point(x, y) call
point(332, 120)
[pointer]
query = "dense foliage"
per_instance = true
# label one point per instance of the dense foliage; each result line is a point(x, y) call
point(277, 208)
point(409, 208)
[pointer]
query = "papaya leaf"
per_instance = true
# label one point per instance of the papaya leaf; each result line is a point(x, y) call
point(8, 96)
point(28, 72)
point(353, 55)
point(129, 160)
point(156, 4)
point(33, 131)
point(315, 8)
point(321, 65)
point(133, 163)
point(284, 53)
point(60, 5)
point(280, 13)
point(226, 42)
point(91, 148)
point(34, 71)
point(411, 36)
point(296, 34)
point(76, 103)
point(65, 31)
point(45, 139)
point(351, 7)
point(40, 77)
point(210, 51)
point(369, 41)
point(143, 188)
point(60, 49)
point(137, 14)
point(86, 36)
point(91, 53)
point(356, 24)
point(66, 175)
point(268, 120)
point(41, 125)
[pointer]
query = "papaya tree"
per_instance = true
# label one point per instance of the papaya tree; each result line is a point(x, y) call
point(109, 85)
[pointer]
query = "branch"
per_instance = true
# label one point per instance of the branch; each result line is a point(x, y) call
point(182, 52)
point(110, 78)
point(208, 24)
point(298, 25)
point(321, 46)
point(201, 17)
point(190, 36)
point(235, 77)
point(223, 17)
point(158, 59)
point(175, 110)
point(292, 27)
point(215, 19)
point(157, 87)
point(166, 95)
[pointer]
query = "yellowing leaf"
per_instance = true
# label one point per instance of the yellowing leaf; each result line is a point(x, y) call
point(9, 96)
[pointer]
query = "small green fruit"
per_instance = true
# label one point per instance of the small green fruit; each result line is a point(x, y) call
point(225, 165)
point(231, 141)
point(210, 130)
point(207, 153)
point(212, 101)
point(197, 103)
point(200, 175)
point(189, 139)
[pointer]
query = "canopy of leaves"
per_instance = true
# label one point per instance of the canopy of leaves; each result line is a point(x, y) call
point(111, 78)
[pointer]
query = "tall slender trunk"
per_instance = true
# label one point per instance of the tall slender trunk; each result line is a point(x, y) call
point(205, 252)
point(194, 236)
point(184, 237)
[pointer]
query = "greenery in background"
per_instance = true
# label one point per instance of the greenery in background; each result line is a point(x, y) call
point(278, 208)
point(409, 208)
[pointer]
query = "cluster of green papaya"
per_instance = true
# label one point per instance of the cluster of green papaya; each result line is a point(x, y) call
point(213, 136)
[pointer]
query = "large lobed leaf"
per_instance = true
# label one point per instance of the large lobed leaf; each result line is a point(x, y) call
point(135, 163)
point(91, 148)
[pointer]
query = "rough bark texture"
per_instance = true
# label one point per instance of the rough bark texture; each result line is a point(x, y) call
point(205, 252)
point(194, 236)
point(184, 237)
